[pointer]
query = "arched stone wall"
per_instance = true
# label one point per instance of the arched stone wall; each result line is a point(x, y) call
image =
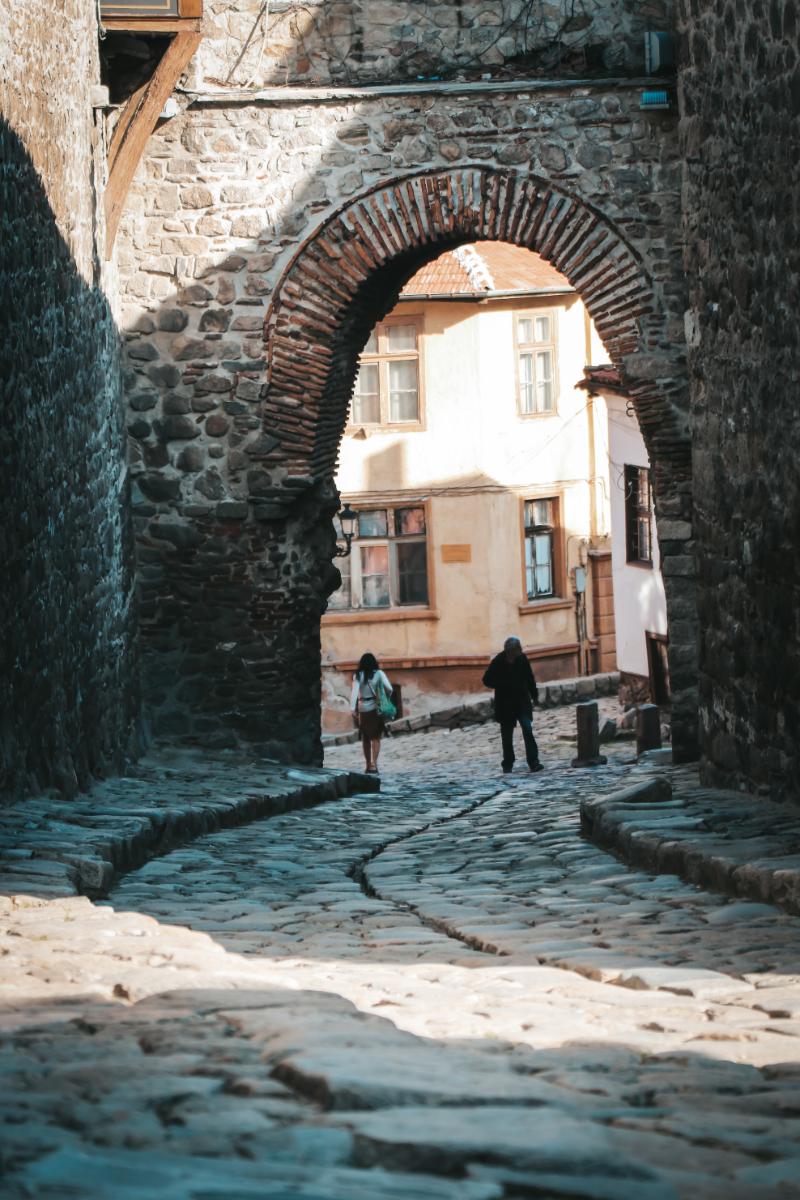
point(350, 272)
point(241, 207)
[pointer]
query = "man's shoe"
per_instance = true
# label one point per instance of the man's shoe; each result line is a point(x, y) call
point(537, 766)
point(507, 770)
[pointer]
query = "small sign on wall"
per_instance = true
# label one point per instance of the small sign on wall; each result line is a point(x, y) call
point(457, 553)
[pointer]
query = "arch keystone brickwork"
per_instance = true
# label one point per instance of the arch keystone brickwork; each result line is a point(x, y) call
point(350, 271)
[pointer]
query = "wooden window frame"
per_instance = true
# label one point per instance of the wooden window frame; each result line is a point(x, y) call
point(634, 513)
point(392, 611)
point(155, 17)
point(559, 598)
point(382, 358)
point(523, 314)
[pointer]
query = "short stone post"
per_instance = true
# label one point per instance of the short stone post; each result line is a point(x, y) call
point(588, 736)
point(648, 728)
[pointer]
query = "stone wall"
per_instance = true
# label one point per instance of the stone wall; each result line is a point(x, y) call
point(317, 42)
point(233, 512)
point(68, 704)
point(740, 131)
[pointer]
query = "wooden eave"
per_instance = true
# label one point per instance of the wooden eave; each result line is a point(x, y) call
point(142, 110)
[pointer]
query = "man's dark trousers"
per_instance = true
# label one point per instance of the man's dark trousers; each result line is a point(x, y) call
point(507, 737)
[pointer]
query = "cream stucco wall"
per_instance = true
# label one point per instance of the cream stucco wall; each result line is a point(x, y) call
point(473, 464)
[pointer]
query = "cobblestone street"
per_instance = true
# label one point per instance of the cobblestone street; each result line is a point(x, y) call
point(438, 991)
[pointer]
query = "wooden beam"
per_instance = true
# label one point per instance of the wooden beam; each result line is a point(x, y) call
point(137, 122)
point(152, 24)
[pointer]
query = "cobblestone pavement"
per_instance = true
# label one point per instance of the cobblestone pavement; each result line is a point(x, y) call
point(439, 991)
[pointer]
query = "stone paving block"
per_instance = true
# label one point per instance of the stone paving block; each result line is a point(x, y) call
point(538, 1139)
point(327, 999)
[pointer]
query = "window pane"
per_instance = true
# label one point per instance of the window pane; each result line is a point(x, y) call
point(526, 382)
point(529, 568)
point(644, 538)
point(372, 522)
point(408, 521)
point(341, 598)
point(366, 409)
point(403, 405)
point(372, 344)
point(401, 337)
point(544, 564)
point(524, 330)
point(544, 381)
point(538, 512)
point(644, 488)
point(374, 576)
point(412, 573)
point(542, 329)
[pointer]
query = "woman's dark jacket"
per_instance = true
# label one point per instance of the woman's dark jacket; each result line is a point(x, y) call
point(514, 687)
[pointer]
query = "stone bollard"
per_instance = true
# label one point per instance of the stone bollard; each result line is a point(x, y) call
point(648, 728)
point(588, 736)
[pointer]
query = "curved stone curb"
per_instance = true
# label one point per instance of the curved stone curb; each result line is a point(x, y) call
point(49, 850)
point(717, 840)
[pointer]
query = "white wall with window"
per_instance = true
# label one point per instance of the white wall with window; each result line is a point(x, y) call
point(639, 597)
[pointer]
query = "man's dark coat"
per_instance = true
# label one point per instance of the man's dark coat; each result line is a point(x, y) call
point(514, 686)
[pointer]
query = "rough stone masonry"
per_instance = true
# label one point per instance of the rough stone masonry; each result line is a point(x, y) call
point(740, 133)
point(233, 577)
point(309, 210)
point(69, 707)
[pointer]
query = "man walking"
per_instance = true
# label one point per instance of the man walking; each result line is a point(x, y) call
point(515, 694)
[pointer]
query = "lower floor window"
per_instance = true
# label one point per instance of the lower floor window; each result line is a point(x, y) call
point(388, 564)
point(540, 526)
point(638, 507)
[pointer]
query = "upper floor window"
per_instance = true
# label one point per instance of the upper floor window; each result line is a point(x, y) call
point(388, 564)
point(387, 389)
point(535, 334)
point(638, 506)
point(541, 521)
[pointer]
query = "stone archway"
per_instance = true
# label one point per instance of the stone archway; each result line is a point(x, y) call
point(349, 273)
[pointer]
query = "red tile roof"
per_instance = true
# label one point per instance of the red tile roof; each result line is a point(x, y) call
point(481, 268)
point(602, 378)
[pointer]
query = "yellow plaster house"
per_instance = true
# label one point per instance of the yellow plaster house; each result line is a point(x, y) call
point(481, 472)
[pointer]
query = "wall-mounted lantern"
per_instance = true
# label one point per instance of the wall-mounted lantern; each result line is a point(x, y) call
point(348, 521)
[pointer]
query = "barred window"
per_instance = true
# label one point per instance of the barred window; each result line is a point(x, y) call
point(638, 508)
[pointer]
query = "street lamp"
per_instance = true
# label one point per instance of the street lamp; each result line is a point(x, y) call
point(348, 521)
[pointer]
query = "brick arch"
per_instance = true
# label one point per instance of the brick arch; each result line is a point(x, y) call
point(350, 271)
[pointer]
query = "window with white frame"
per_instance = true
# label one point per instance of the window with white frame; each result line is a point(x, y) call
point(387, 388)
point(541, 522)
point(388, 564)
point(535, 334)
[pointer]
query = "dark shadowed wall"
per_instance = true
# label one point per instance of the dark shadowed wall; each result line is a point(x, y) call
point(68, 704)
point(741, 131)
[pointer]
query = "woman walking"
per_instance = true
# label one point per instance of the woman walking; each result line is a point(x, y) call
point(370, 690)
